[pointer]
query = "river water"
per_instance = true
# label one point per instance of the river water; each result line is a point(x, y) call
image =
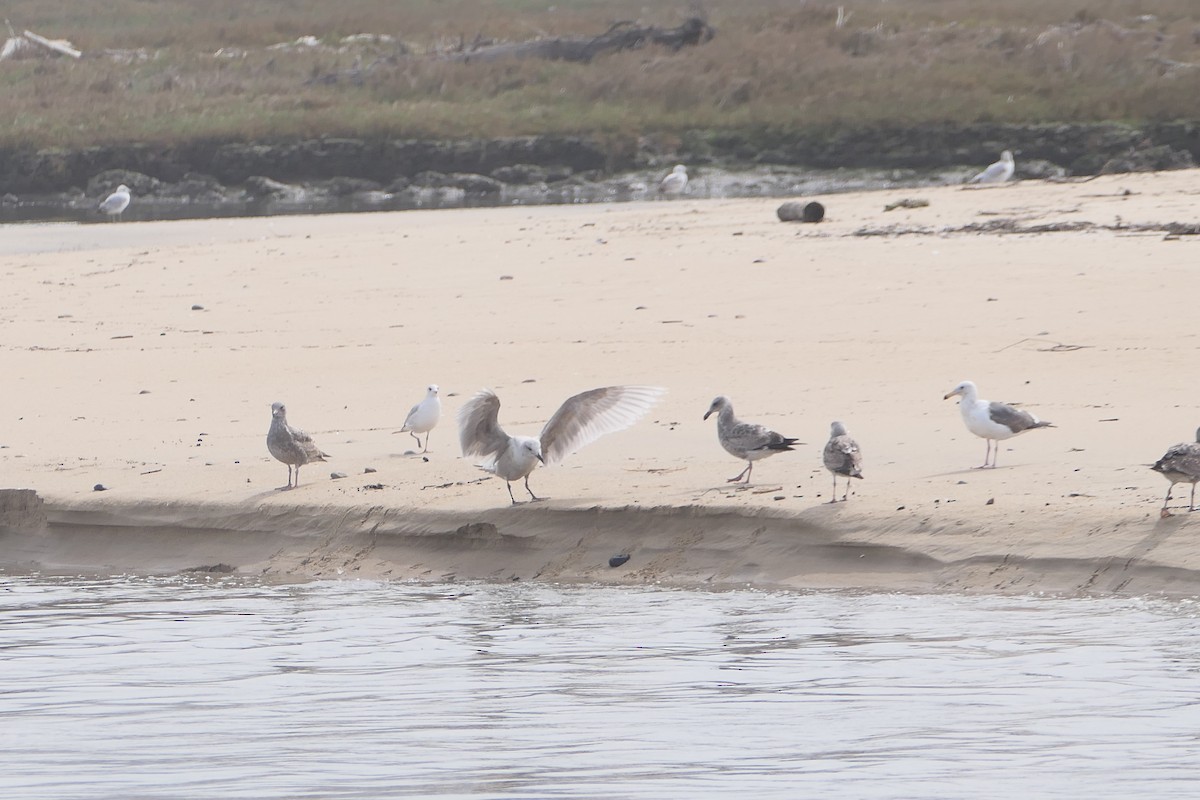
point(227, 688)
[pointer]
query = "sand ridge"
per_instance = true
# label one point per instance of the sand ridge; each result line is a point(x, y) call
point(870, 317)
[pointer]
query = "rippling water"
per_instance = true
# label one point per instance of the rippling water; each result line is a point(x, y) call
point(154, 688)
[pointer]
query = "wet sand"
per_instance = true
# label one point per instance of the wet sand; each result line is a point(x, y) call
point(113, 378)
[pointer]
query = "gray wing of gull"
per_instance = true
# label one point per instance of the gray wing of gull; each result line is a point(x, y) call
point(843, 456)
point(413, 410)
point(306, 443)
point(587, 416)
point(993, 172)
point(1014, 419)
point(744, 437)
point(479, 432)
point(1182, 459)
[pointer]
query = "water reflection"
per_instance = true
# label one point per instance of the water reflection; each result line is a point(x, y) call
point(223, 687)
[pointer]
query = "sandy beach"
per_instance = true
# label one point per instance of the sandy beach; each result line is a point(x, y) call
point(145, 357)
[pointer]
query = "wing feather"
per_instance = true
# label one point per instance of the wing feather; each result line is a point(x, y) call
point(587, 416)
point(479, 432)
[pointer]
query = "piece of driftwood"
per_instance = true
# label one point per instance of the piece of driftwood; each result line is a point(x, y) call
point(799, 211)
point(60, 46)
point(621, 36)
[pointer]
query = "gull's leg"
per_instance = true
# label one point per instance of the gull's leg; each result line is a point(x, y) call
point(531, 494)
point(425, 449)
point(1164, 513)
point(508, 486)
point(846, 494)
point(834, 498)
point(297, 476)
point(1192, 502)
point(746, 472)
point(418, 438)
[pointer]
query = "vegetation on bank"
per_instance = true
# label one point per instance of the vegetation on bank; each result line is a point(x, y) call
point(171, 71)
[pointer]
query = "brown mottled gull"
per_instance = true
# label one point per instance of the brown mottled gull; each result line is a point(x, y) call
point(581, 420)
point(1180, 464)
point(291, 445)
point(745, 440)
point(990, 420)
point(842, 457)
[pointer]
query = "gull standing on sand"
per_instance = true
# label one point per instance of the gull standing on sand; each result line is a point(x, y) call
point(291, 445)
point(115, 203)
point(676, 182)
point(998, 172)
point(745, 439)
point(990, 420)
point(424, 416)
point(842, 457)
point(1180, 464)
point(581, 420)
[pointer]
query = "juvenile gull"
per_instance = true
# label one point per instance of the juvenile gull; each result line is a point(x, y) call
point(291, 445)
point(842, 457)
point(992, 421)
point(676, 182)
point(424, 416)
point(1180, 464)
point(998, 172)
point(745, 439)
point(115, 203)
point(581, 420)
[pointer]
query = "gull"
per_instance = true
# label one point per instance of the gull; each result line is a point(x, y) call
point(115, 203)
point(676, 182)
point(581, 420)
point(424, 416)
point(842, 457)
point(291, 445)
point(1180, 464)
point(998, 172)
point(745, 439)
point(990, 420)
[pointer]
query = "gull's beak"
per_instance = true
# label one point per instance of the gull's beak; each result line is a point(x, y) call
point(541, 459)
point(707, 413)
point(948, 396)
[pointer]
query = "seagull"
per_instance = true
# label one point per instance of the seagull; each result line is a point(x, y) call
point(842, 457)
point(676, 182)
point(998, 172)
point(745, 439)
point(115, 203)
point(1180, 464)
point(291, 445)
point(581, 420)
point(424, 416)
point(990, 420)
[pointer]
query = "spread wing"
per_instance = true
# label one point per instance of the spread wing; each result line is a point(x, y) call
point(1014, 419)
point(589, 415)
point(479, 432)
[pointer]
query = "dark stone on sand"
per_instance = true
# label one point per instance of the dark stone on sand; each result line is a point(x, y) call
point(337, 475)
point(617, 561)
point(99, 487)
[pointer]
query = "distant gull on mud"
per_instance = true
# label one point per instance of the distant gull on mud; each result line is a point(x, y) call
point(745, 440)
point(291, 445)
point(581, 420)
point(676, 182)
point(998, 172)
point(842, 457)
point(1180, 464)
point(990, 420)
point(115, 203)
point(424, 416)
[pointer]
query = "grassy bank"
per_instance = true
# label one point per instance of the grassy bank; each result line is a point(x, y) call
point(176, 70)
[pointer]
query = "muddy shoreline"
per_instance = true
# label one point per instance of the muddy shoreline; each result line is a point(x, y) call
point(213, 179)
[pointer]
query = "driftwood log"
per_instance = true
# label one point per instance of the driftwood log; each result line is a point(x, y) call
point(621, 36)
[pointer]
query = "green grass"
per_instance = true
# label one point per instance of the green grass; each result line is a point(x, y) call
point(774, 65)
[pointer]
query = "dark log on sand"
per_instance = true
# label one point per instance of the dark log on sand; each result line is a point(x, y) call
point(621, 36)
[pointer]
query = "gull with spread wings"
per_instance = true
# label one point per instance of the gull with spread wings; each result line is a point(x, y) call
point(581, 420)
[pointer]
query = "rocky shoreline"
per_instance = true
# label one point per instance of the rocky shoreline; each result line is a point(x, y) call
point(328, 174)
